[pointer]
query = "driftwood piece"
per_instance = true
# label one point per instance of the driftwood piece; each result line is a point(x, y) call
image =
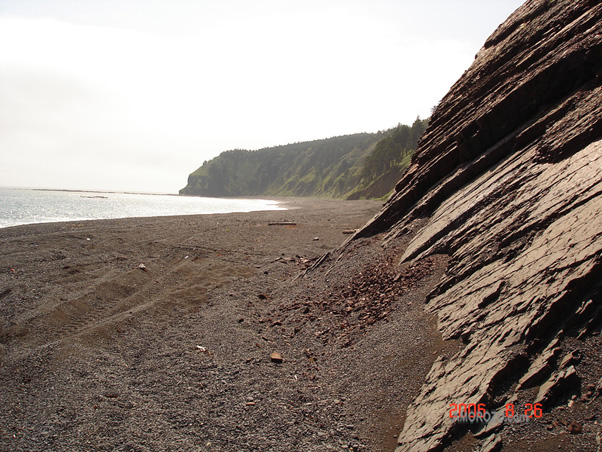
point(282, 223)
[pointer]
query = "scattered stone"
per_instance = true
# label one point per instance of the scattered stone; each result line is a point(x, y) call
point(575, 428)
point(142, 267)
point(276, 357)
point(596, 391)
point(316, 239)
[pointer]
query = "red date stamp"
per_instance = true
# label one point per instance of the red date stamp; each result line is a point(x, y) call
point(473, 413)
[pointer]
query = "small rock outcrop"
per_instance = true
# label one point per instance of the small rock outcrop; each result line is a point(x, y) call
point(507, 181)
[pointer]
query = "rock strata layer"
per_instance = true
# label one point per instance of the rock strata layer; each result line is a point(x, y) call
point(507, 181)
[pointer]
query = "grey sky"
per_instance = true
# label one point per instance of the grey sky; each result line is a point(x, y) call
point(134, 95)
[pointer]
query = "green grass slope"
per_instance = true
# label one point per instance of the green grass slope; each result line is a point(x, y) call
point(338, 167)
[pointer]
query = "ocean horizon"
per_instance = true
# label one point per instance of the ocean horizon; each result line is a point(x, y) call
point(19, 206)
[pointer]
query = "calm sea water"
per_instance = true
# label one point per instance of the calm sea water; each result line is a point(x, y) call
point(25, 206)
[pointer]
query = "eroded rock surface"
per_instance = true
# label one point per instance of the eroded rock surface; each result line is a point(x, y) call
point(507, 181)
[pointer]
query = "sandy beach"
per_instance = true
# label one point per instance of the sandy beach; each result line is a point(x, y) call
point(154, 334)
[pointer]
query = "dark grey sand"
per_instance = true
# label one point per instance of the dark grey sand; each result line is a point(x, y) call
point(97, 353)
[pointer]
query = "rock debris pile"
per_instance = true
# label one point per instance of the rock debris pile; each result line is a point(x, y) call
point(345, 311)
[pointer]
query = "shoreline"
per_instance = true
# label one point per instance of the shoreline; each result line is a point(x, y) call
point(269, 205)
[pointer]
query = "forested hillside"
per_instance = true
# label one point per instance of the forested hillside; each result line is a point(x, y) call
point(359, 165)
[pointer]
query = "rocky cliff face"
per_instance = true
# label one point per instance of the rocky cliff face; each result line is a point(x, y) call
point(507, 182)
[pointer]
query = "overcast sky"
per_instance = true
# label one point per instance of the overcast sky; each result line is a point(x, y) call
point(136, 94)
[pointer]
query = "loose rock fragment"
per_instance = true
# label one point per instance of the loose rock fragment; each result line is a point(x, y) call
point(276, 357)
point(575, 428)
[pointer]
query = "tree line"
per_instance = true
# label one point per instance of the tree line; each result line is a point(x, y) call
point(333, 167)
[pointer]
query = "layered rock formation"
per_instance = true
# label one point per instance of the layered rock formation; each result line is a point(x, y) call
point(507, 181)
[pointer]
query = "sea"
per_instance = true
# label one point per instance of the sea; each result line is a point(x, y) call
point(26, 206)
